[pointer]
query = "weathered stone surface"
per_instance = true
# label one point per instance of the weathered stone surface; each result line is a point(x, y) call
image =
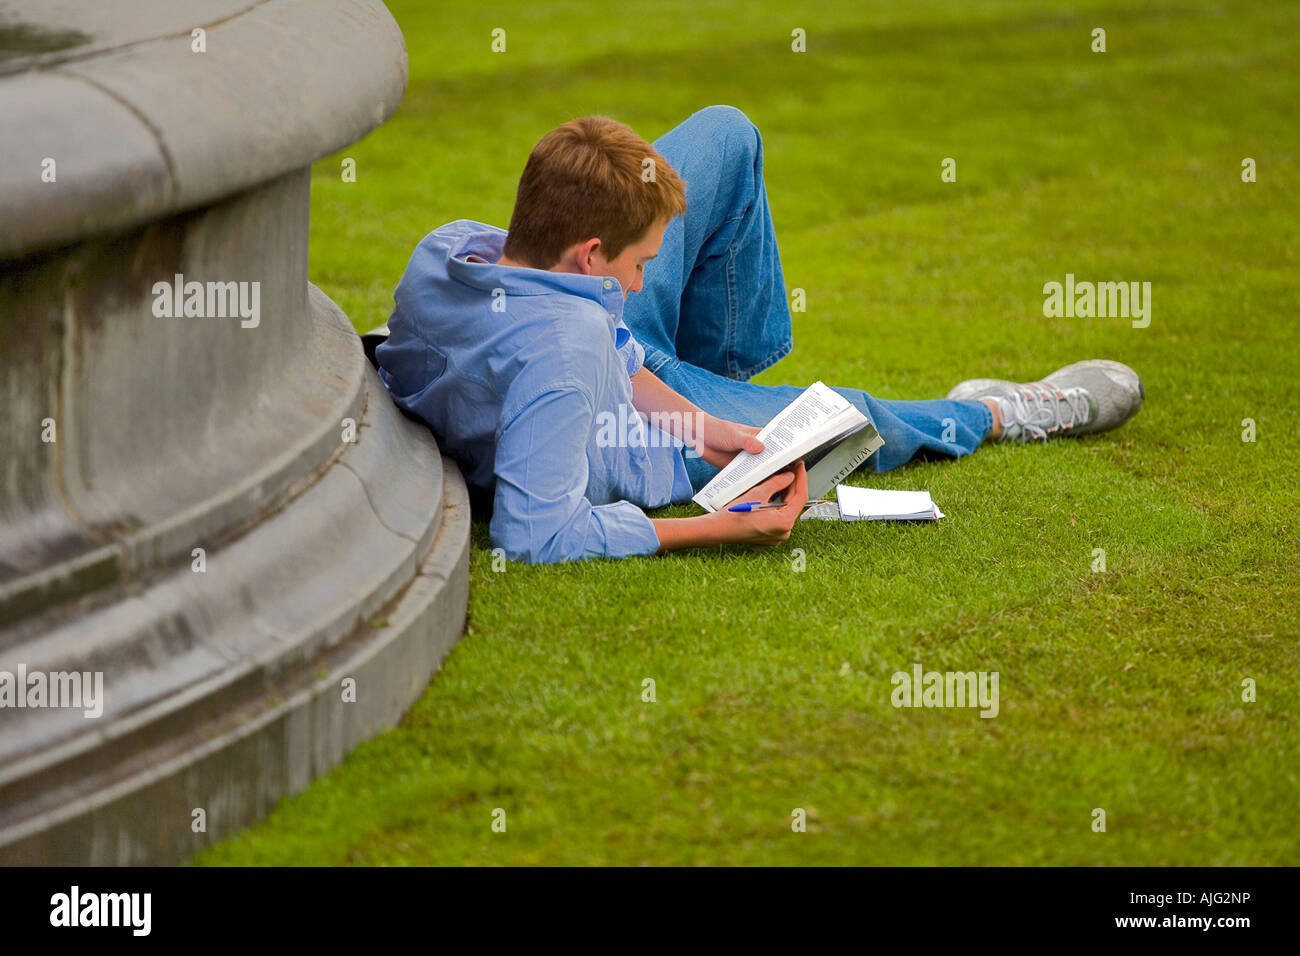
point(282, 83)
point(194, 699)
point(233, 516)
point(172, 432)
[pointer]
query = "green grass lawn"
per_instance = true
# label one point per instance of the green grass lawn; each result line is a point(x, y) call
point(1119, 690)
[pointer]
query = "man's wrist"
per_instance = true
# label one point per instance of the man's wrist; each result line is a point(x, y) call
point(700, 531)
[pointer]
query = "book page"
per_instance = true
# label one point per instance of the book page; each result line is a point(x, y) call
point(817, 415)
point(876, 504)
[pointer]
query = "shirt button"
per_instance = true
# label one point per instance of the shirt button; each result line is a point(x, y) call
point(608, 284)
point(613, 316)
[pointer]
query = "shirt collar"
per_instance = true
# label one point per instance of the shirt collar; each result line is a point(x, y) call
point(488, 242)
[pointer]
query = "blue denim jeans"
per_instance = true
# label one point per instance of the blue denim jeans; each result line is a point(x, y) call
point(712, 310)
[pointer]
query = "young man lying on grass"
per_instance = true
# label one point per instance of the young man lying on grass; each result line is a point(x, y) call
point(620, 286)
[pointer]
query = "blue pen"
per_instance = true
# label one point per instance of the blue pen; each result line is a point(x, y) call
point(757, 506)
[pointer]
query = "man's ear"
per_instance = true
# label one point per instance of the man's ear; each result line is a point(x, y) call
point(591, 256)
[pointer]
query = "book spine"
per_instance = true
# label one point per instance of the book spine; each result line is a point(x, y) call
point(821, 479)
point(848, 469)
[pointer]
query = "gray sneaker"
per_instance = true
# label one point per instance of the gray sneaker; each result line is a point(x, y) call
point(1092, 396)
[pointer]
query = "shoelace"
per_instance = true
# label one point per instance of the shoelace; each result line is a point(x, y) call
point(1038, 409)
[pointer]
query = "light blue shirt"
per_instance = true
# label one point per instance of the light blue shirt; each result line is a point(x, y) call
point(524, 375)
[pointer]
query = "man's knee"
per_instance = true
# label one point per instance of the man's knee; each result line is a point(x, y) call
point(730, 125)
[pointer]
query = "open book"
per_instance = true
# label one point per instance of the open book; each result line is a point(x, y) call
point(821, 427)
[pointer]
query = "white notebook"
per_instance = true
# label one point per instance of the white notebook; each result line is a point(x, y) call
point(874, 504)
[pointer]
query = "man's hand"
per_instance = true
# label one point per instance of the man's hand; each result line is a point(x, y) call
point(723, 440)
point(768, 527)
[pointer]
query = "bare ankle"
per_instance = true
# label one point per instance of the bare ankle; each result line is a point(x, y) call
point(996, 431)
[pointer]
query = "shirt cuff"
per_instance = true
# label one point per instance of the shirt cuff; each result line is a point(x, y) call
point(635, 355)
point(627, 530)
